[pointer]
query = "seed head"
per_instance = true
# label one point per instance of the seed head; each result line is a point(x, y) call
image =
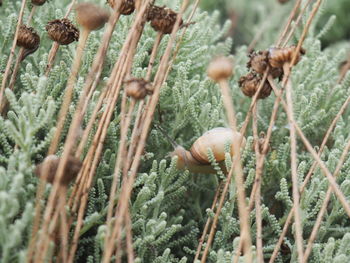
point(250, 84)
point(62, 31)
point(278, 56)
point(38, 2)
point(258, 61)
point(70, 172)
point(137, 88)
point(127, 7)
point(28, 38)
point(220, 68)
point(162, 19)
point(90, 16)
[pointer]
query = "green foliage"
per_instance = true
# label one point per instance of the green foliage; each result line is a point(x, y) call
point(169, 208)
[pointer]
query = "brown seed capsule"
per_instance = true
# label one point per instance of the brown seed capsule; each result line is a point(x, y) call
point(137, 88)
point(250, 83)
point(38, 2)
point(127, 7)
point(70, 172)
point(258, 61)
point(28, 38)
point(279, 56)
point(62, 31)
point(90, 16)
point(220, 68)
point(162, 19)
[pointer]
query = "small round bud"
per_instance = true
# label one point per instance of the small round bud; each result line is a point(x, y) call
point(250, 83)
point(28, 38)
point(137, 88)
point(162, 19)
point(90, 16)
point(220, 68)
point(127, 7)
point(62, 31)
point(38, 2)
point(51, 163)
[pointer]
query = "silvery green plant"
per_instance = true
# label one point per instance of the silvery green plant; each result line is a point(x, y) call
point(168, 207)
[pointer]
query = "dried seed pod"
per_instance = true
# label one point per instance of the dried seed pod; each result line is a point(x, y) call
point(28, 38)
point(250, 83)
point(162, 19)
point(127, 7)
point(137, 88)
point(220, 68)
point(279, 56)
point(70, 172)
point(90, 16)
point(258, 61)
point(38, 2)
point(62, 31)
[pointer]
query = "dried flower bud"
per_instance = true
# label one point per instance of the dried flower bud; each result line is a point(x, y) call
point(258, 61)
point(137, 88)
point(62, 31)
point(279, 56)
point(220, 68)
point(70, 172)
point(90, 16)
point(250, 84)
point(28, 38)
point(127, 7)
point(261, 142)
point(38, 2)
point(162, 19)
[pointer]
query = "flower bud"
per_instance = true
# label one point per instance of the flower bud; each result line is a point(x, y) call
point(28, 38)
point(62, 31)
point(90, 16)
point(137, 88)
point(220, 68)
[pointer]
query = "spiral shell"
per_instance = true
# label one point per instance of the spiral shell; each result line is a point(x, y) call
point(279, 56)
point(216, 139)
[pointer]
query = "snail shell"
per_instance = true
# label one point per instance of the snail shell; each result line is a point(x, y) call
point(197, 160)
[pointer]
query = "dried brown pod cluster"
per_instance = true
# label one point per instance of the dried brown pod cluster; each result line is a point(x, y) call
point(38, 2)
point(62, 31)
point(220, 68)
point(162, 19)
point(127, 7)
point(259, 61)
point(138, 88)
point(91, 17)
point(250, 84)
point(51, 163)
point(279, 56)
point(28, 38)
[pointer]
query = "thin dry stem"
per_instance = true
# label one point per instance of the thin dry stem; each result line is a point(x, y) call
point(12, 52)
point(294, 160)
point(127, 185)
point(324, 205)
point(259, 242)
point(239, 180)
point(207, 224)
point(308, 146)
